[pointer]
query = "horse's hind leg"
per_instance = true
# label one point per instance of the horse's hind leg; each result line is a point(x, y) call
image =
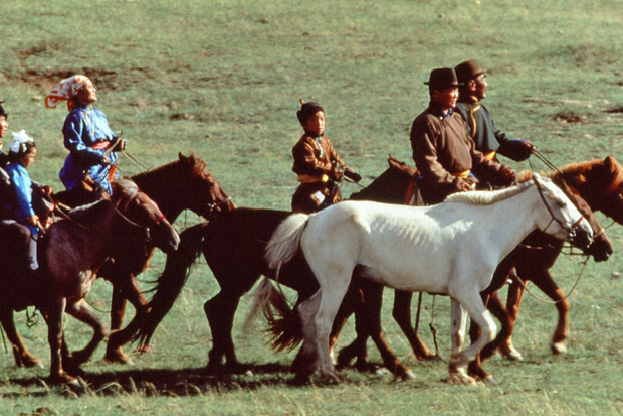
point(83, 312)
point(402, 315)
point(306, 360)
point(20, 353)
point(368, 323)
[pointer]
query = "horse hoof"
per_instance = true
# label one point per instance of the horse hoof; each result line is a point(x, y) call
point(64, 379)
point(513, 355)
point(461, 379)
point(408, 376)
point(559, 348)
point(490, 381)
point(118, 358)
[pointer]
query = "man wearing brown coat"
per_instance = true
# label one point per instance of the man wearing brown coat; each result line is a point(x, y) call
point(444, 154)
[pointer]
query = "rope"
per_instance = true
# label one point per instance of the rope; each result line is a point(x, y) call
point(552, 302)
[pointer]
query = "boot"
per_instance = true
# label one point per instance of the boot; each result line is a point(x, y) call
point(32, 253)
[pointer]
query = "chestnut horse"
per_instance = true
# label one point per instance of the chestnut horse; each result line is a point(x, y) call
point(600, 183)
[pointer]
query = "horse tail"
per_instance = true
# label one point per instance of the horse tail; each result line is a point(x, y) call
point(284, 242)
point(284, 325)
point(170, 283)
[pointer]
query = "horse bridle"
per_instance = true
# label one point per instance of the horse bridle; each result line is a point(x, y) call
point(572, 229)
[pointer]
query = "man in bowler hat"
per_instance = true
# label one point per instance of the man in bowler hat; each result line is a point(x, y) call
point(488, 139)
point(444, 154)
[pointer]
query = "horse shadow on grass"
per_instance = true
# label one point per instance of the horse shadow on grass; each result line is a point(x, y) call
point(162, 382)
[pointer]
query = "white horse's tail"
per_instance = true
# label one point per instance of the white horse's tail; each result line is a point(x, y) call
point(284, 242)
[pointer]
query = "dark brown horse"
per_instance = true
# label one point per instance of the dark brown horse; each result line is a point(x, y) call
point(175, 187)
point(233, 245)
point(144, 213)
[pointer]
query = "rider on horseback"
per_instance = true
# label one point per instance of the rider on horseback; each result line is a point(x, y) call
point(443, 151)
point(87, 136)
point(317, 164)
point(22, 154)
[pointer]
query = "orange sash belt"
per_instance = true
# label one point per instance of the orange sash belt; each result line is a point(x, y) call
point(305, 178)
point(463, 174)
point(490, 155)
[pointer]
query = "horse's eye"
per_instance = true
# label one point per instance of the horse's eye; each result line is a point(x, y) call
point(562, 203)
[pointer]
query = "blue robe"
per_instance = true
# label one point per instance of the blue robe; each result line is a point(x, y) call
point(21, 206)
point(84, 128)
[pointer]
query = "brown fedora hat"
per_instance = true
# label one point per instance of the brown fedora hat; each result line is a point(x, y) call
point(442, 78)
point(468, 70)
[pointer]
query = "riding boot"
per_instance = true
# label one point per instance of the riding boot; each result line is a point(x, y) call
point(32, 253)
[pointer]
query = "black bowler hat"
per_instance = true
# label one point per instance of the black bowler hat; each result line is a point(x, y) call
point(2, 111)
point(468, 70)
point(442, 78)
point(307, 110)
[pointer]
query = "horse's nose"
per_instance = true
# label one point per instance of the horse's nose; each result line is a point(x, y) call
point(582, 237)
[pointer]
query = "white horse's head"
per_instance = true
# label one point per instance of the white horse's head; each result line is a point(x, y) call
point(561, 217)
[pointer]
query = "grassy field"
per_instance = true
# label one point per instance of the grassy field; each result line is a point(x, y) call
point(223, 78)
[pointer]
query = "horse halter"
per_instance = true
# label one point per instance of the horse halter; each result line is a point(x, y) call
point(572, 229)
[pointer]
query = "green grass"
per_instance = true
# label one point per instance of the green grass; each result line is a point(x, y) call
point(223, 79)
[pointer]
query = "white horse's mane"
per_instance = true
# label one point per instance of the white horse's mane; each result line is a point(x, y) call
point(490, 197)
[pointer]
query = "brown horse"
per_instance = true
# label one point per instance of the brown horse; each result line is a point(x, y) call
point(73, 250)
point(175, 187)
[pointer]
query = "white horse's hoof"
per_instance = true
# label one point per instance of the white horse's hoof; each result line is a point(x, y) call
point(490, 381)
point(559, 348)
point(409, 375)
point(514, 355)
point(461, 379)
point(381, 371)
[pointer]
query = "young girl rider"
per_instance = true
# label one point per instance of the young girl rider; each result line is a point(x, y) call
point(21, 155)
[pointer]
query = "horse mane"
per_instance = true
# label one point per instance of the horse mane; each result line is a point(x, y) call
point(487, 198)
point(84, 214)
point(125, 188)
point(579, 172)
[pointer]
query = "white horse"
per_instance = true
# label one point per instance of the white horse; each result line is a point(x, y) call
point(450, 248)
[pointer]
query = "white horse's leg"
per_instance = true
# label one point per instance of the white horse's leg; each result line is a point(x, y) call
point(458, 317)
point(333, 291)
point(472, 303)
